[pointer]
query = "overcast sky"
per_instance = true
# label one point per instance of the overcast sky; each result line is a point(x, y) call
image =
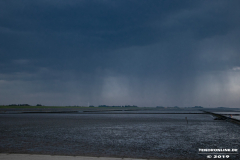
point(120, 52)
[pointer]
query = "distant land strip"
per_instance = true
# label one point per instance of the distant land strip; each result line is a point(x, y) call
point(89, 112)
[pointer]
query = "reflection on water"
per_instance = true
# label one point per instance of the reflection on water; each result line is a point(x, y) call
point(116, 135)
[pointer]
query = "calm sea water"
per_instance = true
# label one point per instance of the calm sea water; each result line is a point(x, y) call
point(116, 135)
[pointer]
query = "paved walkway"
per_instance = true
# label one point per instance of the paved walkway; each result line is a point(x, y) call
point(5, 156)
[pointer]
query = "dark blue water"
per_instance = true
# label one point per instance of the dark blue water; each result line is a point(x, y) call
point(116, 135)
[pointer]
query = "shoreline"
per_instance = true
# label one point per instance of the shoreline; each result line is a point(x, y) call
point(10, 156)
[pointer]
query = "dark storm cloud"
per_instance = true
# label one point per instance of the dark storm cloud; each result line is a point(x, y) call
point(93, 23)
point(115, 52)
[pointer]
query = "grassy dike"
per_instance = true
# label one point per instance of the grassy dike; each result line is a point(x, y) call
point(63, 109)
point(38, 107)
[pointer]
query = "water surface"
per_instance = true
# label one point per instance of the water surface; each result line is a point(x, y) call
point(116, 135)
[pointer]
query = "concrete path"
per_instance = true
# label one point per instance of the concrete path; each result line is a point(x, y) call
point(5, 156)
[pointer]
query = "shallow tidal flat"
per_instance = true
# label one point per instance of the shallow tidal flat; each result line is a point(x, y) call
point(116, 135)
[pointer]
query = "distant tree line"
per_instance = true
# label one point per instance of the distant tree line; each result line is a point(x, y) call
point(22, 105)
point(198, 107)
point(19, 105)
point(117, 106)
